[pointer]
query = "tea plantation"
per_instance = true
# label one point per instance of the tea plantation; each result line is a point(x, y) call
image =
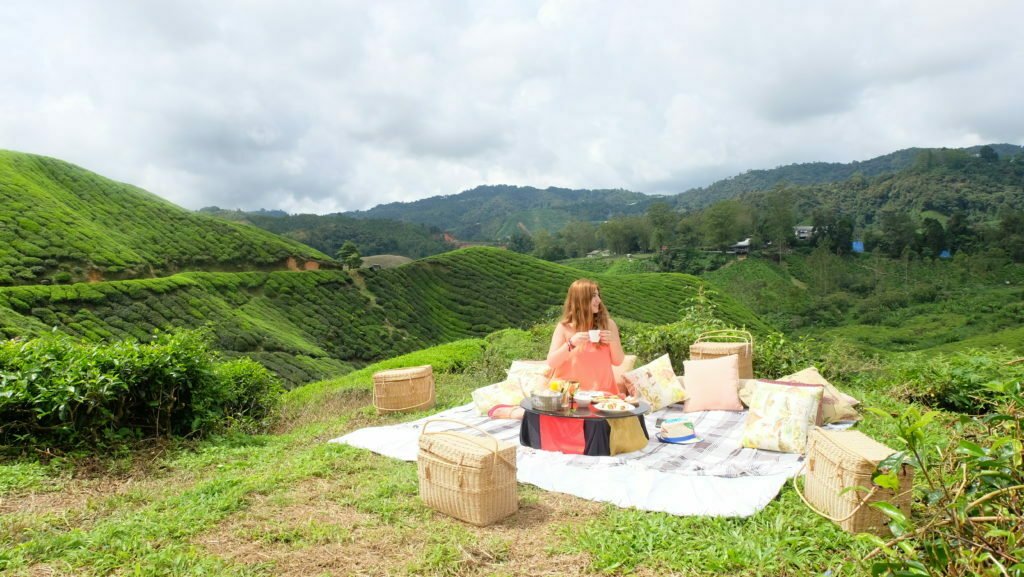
point(60, 223)
point(315, 324)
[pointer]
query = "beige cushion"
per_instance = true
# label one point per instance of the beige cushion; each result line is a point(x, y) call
point(627, 365)
point(780, 416)
point(504, 393)
point(711, 384)
point(656, 383)
point(835, 405)
point(529, 375)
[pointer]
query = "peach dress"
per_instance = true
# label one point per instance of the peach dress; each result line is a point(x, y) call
point(591, 367)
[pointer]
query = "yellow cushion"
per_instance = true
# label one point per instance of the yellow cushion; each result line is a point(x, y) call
point(780, 416)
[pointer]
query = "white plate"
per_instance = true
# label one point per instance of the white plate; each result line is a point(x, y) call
point(603, 408)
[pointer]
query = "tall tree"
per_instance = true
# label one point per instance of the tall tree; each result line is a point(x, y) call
point(779, 219)
point(578, 238)
point(725, 223)
point(898, 232)
point(663, 221)
point(520, 242)
point(348, 248)
point(933, 238)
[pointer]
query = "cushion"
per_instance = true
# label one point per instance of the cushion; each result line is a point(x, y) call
point(835, 405)
point(529, 375)
point(711, 384)
point(656, 383)
point(504, 393)
point(780, 416)
point(620, 371)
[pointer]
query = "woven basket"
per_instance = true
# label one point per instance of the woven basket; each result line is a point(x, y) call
point(467, 477)
point(714, 344)
point(410, 389)
point(837, 460)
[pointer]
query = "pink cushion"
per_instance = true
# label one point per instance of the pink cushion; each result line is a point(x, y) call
point(711, 384)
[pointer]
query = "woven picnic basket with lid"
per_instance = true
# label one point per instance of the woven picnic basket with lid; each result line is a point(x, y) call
point(837, 460)
point(469, 477)
point(725, 342)
point(409, 389)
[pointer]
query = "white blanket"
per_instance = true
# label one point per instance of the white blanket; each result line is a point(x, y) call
point(716, 477)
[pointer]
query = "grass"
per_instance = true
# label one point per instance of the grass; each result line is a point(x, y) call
point(290, 504)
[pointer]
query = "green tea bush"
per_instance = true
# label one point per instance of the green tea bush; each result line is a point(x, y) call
point(972, 521)
point(954, 381)
point(62, 394)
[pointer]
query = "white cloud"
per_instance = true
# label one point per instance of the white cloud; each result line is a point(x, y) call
point(340, 106)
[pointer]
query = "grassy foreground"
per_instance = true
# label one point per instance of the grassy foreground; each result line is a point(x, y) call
point(288, 503)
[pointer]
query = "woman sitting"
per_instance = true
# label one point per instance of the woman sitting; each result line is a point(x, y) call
point(573, 355)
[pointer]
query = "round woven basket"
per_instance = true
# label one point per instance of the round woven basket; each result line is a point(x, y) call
point(409, 389)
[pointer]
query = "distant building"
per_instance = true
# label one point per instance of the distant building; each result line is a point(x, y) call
point(803, 232)
point(742, 247)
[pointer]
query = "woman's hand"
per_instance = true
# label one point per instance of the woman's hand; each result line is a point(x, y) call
point(630, 387)
point(607, 337)
point(578, 339)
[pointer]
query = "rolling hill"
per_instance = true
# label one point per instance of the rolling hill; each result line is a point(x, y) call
point(496, 212)
point(60, 223)
point(811, 173)
point(310, 325)
point(328, 232)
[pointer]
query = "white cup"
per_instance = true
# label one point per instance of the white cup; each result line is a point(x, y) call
point(595, 336)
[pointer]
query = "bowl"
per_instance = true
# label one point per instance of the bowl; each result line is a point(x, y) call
point(546, 402)
point(583, 399)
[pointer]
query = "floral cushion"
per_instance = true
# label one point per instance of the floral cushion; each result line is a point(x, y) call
point(529, 375)
point(656, 383)
point(835, 405)
point(504, 393)
point(780, 416)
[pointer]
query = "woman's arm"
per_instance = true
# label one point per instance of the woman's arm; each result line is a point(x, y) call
point(563, 343)
point(611, 338)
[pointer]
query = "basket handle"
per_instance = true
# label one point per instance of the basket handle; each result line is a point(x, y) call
point(800, 494)
point(726, 333)
point(398, 410)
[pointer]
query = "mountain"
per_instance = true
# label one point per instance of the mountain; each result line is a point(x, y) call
point(315, 324)
point(938, 183)
point(328, 232)
point(61, 223)
point(488, 213)
point(814, 173)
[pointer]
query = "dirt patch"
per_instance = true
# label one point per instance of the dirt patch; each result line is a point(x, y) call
point(292, 264)
point(75, 494)
point(308, 532)
point(311, 265)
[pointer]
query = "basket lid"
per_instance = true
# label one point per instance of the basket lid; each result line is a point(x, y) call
point(403, 374)
point(465, 449)
point(857, 443)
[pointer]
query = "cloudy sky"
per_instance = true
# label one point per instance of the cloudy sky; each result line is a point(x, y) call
point(328, 106)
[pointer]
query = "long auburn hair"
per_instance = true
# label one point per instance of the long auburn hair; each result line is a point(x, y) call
point(576, 312)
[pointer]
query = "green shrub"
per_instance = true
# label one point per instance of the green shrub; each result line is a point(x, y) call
point(972, 492)
point(63, 394)
point(954, 381)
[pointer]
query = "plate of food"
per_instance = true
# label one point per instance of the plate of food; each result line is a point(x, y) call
point(614, 407)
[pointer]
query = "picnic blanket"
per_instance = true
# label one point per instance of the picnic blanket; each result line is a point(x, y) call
point(714, 477)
